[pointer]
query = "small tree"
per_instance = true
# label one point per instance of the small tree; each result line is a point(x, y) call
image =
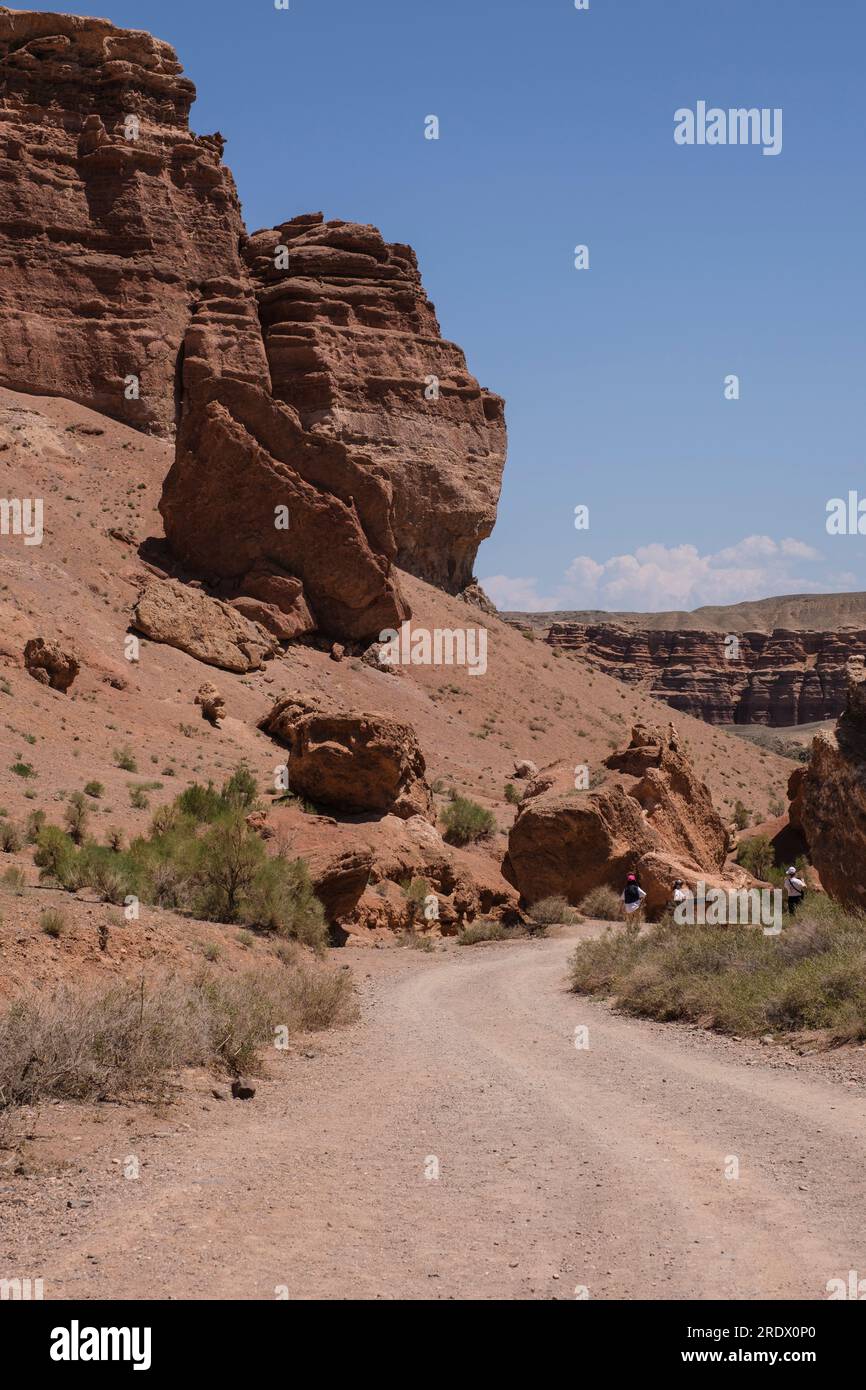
point(230, 856)
point(75, 817)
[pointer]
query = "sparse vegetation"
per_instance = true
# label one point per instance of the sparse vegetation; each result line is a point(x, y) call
point(603, 904)
point(94, 789)
point(200, 857)
point(511, 794)
point(735, 979)
point(482, 930)
point(548, 912)
point(124, 758)
point(53, 923)
point(128, 1040)
point(11, 839)
point(465, 821)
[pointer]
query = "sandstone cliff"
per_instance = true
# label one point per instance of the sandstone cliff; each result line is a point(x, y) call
point(317, 385)
point(778, 678)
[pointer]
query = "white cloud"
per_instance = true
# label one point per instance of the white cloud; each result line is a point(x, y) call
point(658, 577)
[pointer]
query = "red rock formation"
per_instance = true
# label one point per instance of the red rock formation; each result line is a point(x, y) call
point(353, 762)
point(113, 216)
point(130, 286)
point(776, 679)
point(651, 815)
point(353, 344)
point(828, 802)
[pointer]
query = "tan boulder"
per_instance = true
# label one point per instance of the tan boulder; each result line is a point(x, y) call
point(203, 627)
point(213, 706)
point(351, 761)
point(50, 664)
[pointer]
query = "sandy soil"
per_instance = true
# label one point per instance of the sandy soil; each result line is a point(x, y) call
point(559, 1168)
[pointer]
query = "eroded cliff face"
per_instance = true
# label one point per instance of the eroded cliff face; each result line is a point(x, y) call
point(354, 346)
point(325, 430)
point(112, 217)
point(777, 679)
point(828, 802)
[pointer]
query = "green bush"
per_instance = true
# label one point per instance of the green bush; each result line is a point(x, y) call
point(75, 817)
point(512, 795)
point(94, 789)
point(465, 821)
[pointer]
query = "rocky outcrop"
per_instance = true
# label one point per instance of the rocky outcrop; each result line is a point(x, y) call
point(360, 870)
point(212, 704)
point(113, 218)
point(353, 345)
point(353, 762)
point(256, 501)
point(303, 366)
point(777, 679)
point(828, 802)
point(651, 815)
point(50, 664)
point(201, 626)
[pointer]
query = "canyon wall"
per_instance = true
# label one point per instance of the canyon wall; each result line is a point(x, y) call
point(315, 384)
point(777, 679)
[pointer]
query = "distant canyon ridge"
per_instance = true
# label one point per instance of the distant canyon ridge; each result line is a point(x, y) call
point(789, 664)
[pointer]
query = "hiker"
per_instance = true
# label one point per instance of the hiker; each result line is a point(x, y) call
point(632, 895)
point(677, 895)
point(794, 889)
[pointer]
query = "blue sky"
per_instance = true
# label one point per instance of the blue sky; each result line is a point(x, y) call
point(557, 129)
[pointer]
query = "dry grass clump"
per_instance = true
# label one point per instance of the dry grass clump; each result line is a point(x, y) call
point(603, 904)
point(735, 979)
point(130, 1039)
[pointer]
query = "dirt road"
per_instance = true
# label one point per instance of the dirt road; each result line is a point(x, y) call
point(604, 1168)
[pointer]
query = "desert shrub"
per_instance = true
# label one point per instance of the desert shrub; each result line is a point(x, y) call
point(734, 978)
point(53, 923)
point(11, 839)
point(21, 769)
point(281, 899)
point(80, 1043)
point(548, 912)
point(35, 822)
point(114, 840)
point(757, 856)
point(94, 789)
point(124, 758)
point(742, 815)
point(603, 904)
point(245, 939)
point(230, 856)
point(55, 854)
point(465, 821)
point(512, 795)
point(212, 951)
point(482, 930)
point(241, 789)
point(75, 817)
point(138, 799)
point(202, 804)
point(15, 880)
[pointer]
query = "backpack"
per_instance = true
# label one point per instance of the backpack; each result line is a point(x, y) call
point(632, 893)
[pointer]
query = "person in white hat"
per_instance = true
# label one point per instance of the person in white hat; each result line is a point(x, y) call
point(794, 889)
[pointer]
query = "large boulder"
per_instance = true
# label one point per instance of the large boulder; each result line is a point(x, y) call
point(203, 627)
point(352, 762)
point(651, 814)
